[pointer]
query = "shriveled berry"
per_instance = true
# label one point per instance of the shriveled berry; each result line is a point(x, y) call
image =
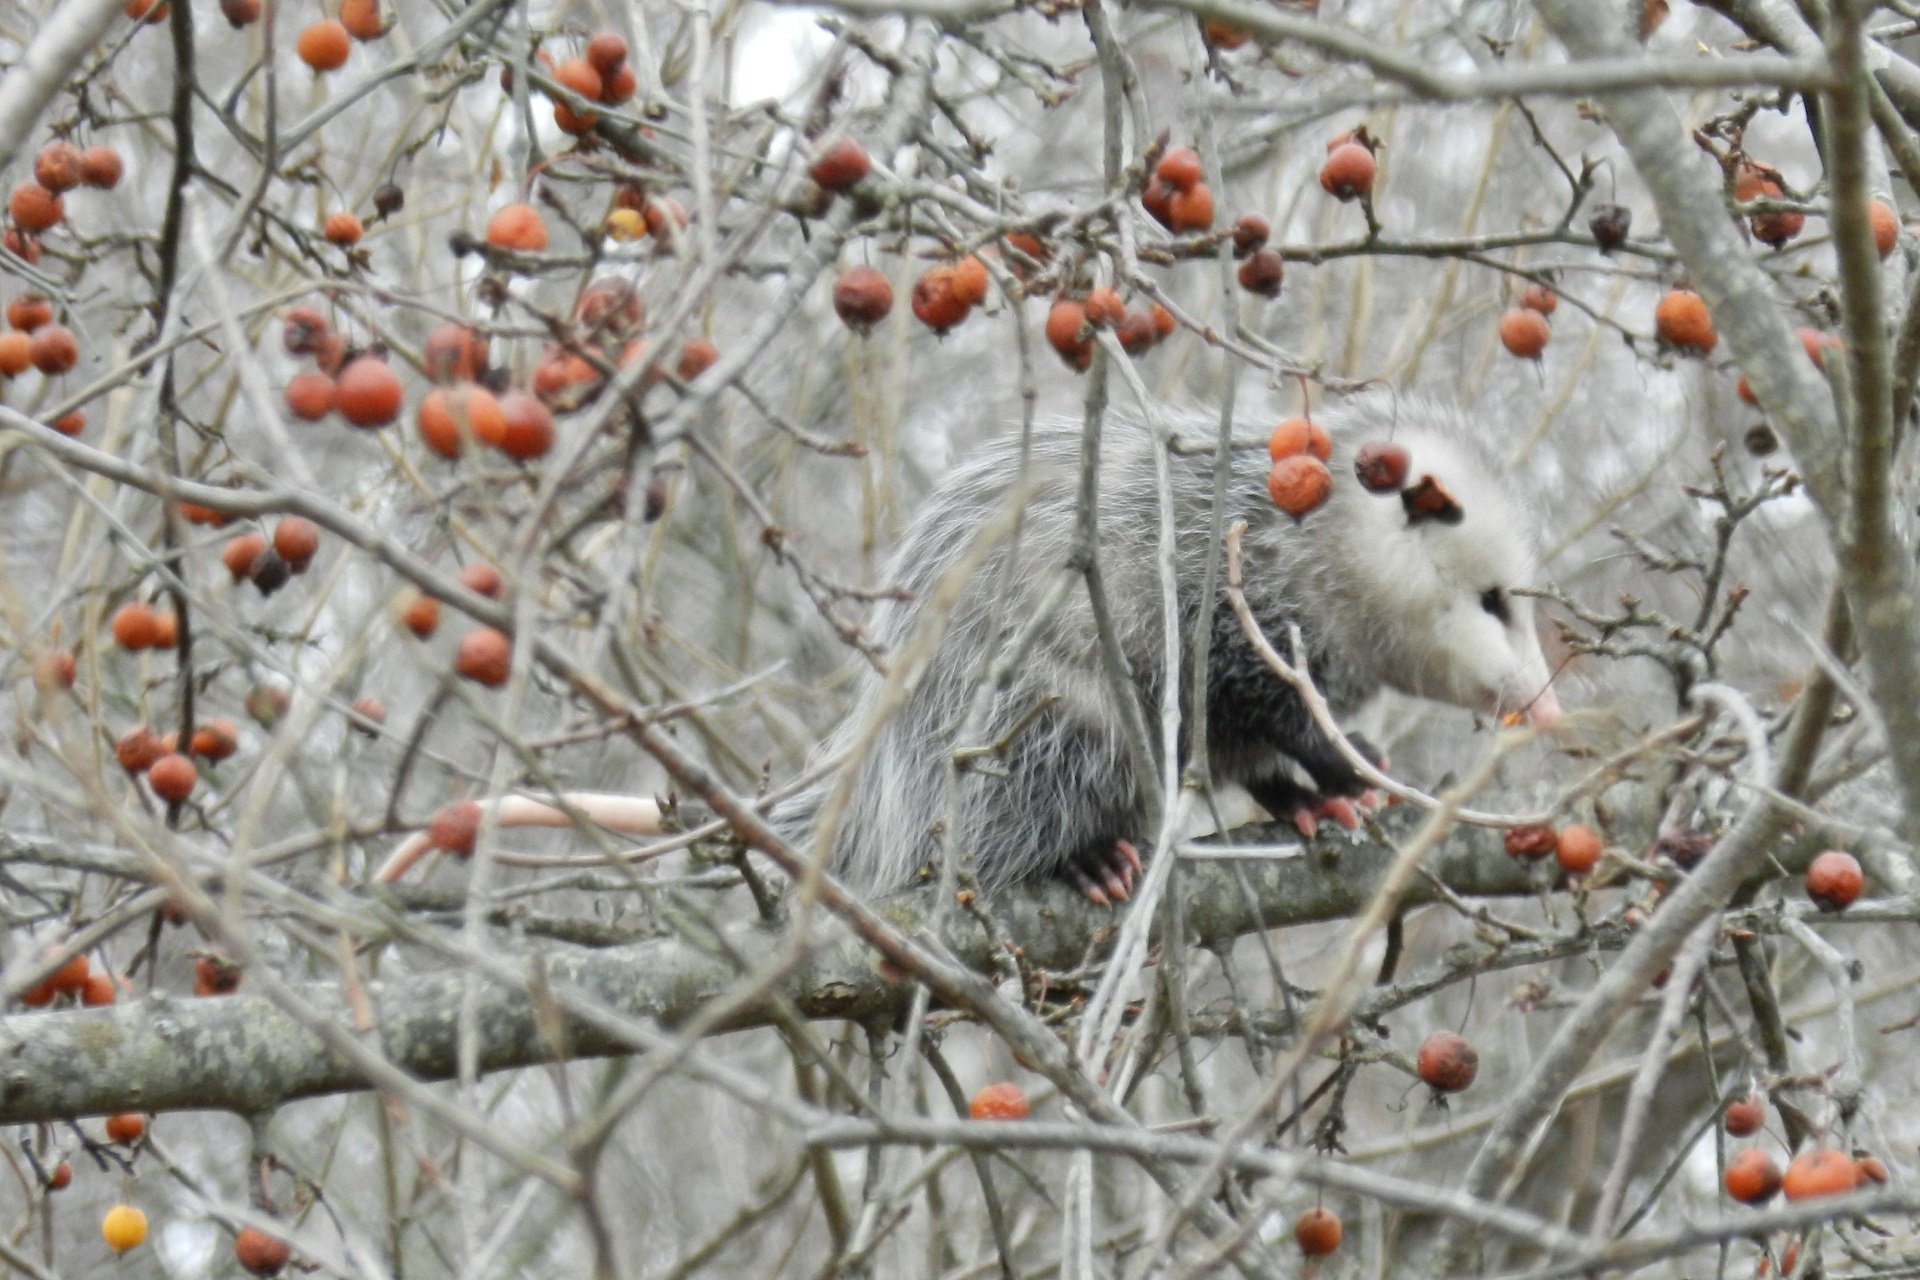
point(1533, 842)
point(862, 297)
point(1250, 233)
point(1610, 224)
point(1381, 466)
point(455, 828)
point(1299, 484)
point(1262, 273)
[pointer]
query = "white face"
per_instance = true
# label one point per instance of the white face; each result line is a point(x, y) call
point(1460, 633)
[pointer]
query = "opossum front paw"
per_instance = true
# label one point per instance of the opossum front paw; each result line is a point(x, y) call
point(1104, 872)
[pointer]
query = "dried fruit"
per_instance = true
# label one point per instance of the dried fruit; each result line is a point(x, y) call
point(840, 165)
point(1524, 333)
point(1348, 172)
point(1250, 233)
point(455, 828)
point(1681, 320)
point(862, 297)
point(1295, 436)
point(124, 1228)
point(1002, 1101)
point(1262, 273)
point(1822, 1172)
point(1299, 484)
point(1610, 224)
point(518, 227)
point(1317, 1232)
point(1533, 842)
point(1578, 849)
point(172, 777)
point(368, 393)
point(57, 166)
point(1753, 1177)
point(1381, 466)
point(261, 1254)
point(324, 46)
point(1746, 1116)
point(1834, 880)
point(485, 657)
point(1446, 1062)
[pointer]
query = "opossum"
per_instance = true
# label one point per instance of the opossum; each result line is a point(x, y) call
point(1414, 592)
point(1385, 594)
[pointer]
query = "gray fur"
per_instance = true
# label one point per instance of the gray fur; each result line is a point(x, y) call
point(1379, 603)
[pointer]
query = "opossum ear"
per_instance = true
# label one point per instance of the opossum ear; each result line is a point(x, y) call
point(1428, 501)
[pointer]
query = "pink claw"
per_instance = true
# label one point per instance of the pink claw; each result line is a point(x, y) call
point(1131, 854)
point(1308, 825)
point(1340, 809)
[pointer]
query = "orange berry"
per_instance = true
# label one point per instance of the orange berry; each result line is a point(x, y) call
point(1296, 436)
point(1541, 298)
point(1157, 199)
point(16, 353)
point(70, 978)
point(840, 164)
point(147, 11)
point(296, 538)
point(696, 358)
point(324, 46)
point(137, 749)
point(127, 1128)
point(578, 75)
point(101, 167)
point(969, 281)
point(1870, 1169)
point(70, 424)
point(368, 393)
point(862, 297)
point(1834, 880)
point(343, 229)
point(34, 208)
point(261, 1254)
point(54, 669)
point(526, 429)
point(1578, 849)
point(448, 415)
point(215, 975)
point(1681, 320)
point(485, 657)
point(482, 579)
point(455, 828)
point(361, 18)
point(194, 513)
point(57, 166)
point(239, 554)
point(1067, 327)
point(1524, 333)
point(1224, 35)
point(1003, 1101)
point(454, 353)
point(1317, 1231)
point(215, 740)
point(61, 1178)
point(1180, 168)
point(1191, 210)
point(310, 396)
point(1299, 484)
point(99, 990)
point(1823, 1172)
point(1746, 1116)
point(172, 777)
point(53, 349)
point(168, 633)
point(1753, 1178)
point(1446, 1062)
point(421, 615)
point(1886, 226)
point(936, 300)
point(518, 227)
point(124, 1227)
point(606, 51)
point(1381, 466)
point(564, 377)
point(135, 627)
point(29, 311)
point(1104, 307)
point(1348, 173)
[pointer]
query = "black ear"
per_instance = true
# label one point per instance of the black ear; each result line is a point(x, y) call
point(1428, 501)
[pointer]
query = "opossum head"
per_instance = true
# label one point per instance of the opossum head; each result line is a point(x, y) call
point(1433, 574)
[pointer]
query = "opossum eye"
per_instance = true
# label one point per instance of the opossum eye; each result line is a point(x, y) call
point(1494, 601)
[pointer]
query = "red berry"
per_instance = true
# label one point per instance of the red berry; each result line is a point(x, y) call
point(1447, 1062)
point(172, 777)
point(1753, 1177)
point(455, 828)
point(841, 164)
point(1348, 172)
point(1524, 333)
point(1578, 849)
point(1317, 1231)
point(1179, 168)
point(862, 297)
point(1381, 466)
point(1299, 484)
point(1834, 880)
point(1746, 1116)
point(1825, 1172)
point(1003, 1101)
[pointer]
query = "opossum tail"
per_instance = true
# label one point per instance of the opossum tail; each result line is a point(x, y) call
point(628, 815)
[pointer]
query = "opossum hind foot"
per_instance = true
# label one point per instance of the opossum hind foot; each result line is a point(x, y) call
point(1103, 871)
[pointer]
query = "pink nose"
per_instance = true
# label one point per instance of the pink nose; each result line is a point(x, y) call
point(1544, 713)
